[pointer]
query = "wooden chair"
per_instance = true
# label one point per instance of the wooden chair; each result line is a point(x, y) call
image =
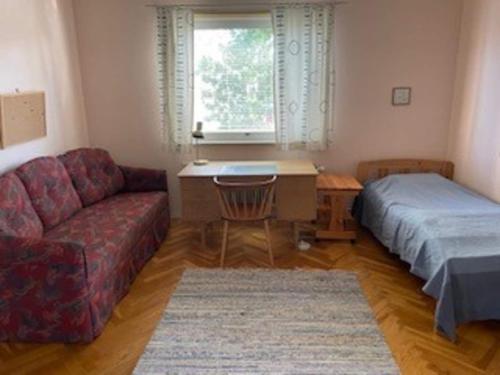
point(242, 201)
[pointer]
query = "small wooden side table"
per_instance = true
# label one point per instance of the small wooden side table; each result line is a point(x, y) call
point(338, 191)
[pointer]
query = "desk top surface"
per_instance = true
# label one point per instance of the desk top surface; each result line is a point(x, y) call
point(231, 168)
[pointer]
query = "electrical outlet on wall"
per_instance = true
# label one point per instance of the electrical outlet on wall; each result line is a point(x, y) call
point(320, 168)
point(401, 96)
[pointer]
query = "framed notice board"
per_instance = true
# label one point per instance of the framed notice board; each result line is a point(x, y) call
point(22, 117)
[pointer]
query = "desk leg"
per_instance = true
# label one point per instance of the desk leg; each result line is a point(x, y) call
point(302, 226)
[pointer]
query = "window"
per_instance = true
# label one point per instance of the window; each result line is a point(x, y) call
point(233, 77)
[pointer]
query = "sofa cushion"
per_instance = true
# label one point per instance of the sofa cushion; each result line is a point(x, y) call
point(49, 186)
point(17, 216)
point(94, 174)
point(110, 229)
point(144, 179)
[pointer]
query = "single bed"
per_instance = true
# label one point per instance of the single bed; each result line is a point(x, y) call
point(448, 234)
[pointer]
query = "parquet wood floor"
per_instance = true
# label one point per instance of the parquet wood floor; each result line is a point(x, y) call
point(404, 313)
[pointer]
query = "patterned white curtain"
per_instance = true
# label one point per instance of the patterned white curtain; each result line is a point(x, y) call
point(175, 58)
point(304, 75)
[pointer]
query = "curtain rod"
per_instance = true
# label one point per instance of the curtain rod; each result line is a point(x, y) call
point(247, 5)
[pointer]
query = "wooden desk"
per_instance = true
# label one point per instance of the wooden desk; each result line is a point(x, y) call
point(295, 189)
point(339, 190)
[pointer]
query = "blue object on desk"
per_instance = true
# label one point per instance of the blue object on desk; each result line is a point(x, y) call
point(249, 170)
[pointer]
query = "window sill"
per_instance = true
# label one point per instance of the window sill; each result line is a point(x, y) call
point(235, 142)
point(238, 138)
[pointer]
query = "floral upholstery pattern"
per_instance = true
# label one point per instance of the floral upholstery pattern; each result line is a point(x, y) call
point(17, 216)
point(60, 283)
point(144, 179)
point(109, 229)
point(107, 291)
point(94, 174)
point(43, 293)
point(49, 186)
point(111, 232)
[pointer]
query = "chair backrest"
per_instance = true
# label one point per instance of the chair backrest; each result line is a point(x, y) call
point(245, 200)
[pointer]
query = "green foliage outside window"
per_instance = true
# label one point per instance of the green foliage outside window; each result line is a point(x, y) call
point(238, 87)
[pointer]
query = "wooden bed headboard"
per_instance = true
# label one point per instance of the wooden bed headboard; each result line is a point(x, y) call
point(381, 168)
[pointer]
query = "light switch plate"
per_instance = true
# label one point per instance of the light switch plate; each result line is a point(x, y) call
point(401, 96)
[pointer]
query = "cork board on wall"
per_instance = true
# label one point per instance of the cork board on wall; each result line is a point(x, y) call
point(22, 117)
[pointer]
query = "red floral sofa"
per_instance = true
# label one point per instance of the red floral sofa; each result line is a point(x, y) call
point(74, 232)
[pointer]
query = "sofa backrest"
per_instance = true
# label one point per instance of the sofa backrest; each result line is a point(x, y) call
point(94, 174)
point(49, 186)
point(17, 215)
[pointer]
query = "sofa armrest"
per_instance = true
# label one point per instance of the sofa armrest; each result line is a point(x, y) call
point(44, 291)
point(24, 250)
point(144, 179)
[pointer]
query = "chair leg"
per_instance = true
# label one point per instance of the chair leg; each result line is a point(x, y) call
point(224, 242)
point(268, 239)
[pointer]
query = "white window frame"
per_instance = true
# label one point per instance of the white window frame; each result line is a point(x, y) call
point(239, 137)
point(244, 20)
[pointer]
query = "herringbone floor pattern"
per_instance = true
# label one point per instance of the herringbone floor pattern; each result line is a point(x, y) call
point(404, 313)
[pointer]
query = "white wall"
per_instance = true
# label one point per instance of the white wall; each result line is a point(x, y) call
point(381, 44)
point(475, 137)
point(38, 51)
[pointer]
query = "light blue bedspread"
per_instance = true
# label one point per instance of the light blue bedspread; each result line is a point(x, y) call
point(449, 235)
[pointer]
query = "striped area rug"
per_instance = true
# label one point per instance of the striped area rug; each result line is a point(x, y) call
point(267, 322)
